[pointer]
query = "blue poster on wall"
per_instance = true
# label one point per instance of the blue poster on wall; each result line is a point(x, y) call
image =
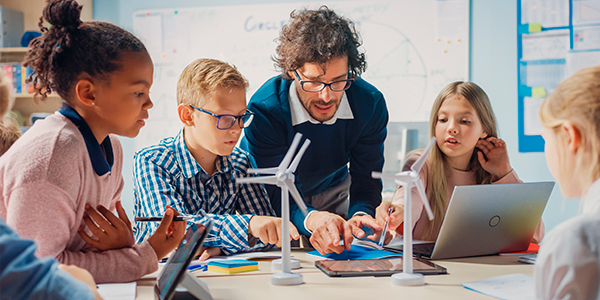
point(555, 39)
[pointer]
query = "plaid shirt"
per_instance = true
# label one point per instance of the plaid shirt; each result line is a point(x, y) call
point(168, 174)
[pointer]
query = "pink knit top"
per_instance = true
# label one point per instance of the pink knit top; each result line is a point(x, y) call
point(47, 178)
point(454, 177)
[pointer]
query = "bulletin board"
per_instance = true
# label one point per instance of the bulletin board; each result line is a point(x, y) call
point(413, 49)
point(556, 38)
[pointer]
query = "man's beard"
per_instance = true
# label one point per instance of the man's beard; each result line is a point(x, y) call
point(322, 103)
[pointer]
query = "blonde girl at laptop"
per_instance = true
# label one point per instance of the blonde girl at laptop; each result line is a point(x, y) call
point(568, 264)
point(467, 152)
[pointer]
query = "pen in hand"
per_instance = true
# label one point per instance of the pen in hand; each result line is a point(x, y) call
point(384, 232)
point(158, 219)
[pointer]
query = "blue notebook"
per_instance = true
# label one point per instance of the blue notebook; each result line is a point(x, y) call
point(356, 253)
point(232, 263)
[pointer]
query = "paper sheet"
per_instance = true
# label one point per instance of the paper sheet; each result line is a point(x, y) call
point(579, 60)
point(177, 32)
point(546, 45)
point(117, 291)
point(549, 13)
point(531, 121)
point(586, 38)
point(547, 74)
point(512, 286)
point(451, 16)
point(586, 12)
point(148, 28)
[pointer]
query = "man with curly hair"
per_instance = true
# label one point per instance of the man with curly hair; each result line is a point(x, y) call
point(321, 95)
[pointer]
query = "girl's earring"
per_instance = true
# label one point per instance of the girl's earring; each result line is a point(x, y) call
point(93, 103)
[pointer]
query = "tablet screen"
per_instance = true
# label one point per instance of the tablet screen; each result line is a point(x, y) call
point(372, 267)
point(177, 264)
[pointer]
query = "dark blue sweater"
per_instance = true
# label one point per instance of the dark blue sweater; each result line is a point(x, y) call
point(358, 142)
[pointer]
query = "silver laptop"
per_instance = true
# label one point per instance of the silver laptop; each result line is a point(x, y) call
point(487, 219)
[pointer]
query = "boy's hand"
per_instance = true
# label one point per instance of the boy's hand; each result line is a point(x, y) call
point(110, 232)
point(497, 162)
point(395, 219)
point(168, 235)
point(208, 252)
point(268, 229)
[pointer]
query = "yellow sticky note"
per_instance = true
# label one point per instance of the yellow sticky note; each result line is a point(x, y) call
point(535, 27)
point(538, 92)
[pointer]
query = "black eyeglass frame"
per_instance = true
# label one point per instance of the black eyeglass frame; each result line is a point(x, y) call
point(324, 85)
point(243, 124)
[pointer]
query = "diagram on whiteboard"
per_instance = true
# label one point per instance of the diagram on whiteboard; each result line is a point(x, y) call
point(405, 60)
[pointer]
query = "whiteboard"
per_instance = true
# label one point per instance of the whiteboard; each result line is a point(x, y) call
point(413, 49)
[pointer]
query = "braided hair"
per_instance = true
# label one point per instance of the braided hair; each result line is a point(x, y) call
point(70, 47)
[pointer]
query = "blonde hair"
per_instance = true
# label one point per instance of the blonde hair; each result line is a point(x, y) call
point(437, 181)
point(203, 76)
point(9, 133)
point(577, 100)
point(9, 130)
point(6, 97)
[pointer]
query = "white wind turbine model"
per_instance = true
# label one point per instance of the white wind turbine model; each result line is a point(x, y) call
point(408, 180)
point(283, 177)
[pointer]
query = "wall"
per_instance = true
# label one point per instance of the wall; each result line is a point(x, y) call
point(493, 67)
point(32, 10)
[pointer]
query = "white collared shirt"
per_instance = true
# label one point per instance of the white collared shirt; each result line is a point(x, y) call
point(300, 115)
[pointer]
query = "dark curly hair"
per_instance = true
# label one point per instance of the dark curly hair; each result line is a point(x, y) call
point(71, 47)
point(318, 36)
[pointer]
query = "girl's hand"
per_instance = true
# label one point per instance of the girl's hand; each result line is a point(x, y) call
point(168, 235)
point(395, 218)
point(497, 162)
point(82, 275)
point(110, 232)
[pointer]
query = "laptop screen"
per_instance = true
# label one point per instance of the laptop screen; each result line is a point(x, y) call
point(177, 264)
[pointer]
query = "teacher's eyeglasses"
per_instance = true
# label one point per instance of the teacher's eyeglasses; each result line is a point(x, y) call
point(225, 122)
point(313, 86)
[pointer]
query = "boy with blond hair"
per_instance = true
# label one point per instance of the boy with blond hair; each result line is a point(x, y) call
point(195, 172)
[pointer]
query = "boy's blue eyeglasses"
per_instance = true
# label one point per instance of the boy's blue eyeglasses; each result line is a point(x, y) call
point(225, 122)
point(317, 86)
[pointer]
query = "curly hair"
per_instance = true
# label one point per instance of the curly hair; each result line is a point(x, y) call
point(71, 47)
point(318, 36)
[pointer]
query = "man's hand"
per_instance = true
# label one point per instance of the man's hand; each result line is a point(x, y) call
point(268, 229)
point(110, 232)
point(359, 221)
point(327, 229)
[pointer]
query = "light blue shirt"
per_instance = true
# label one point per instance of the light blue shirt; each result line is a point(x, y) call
point(24, 276)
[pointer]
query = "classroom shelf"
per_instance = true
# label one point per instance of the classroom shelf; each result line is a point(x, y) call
point(13, 54)
point(26, 105)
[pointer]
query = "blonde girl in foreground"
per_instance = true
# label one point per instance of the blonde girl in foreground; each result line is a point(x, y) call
point(567, 266)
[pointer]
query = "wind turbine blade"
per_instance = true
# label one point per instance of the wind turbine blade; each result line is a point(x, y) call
point(419, 163)
point(263, 170)
point(397, 177)
point(298, 157)
point(259, 179)
point(288, 156)
point(421, 189)
point(296, 196)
